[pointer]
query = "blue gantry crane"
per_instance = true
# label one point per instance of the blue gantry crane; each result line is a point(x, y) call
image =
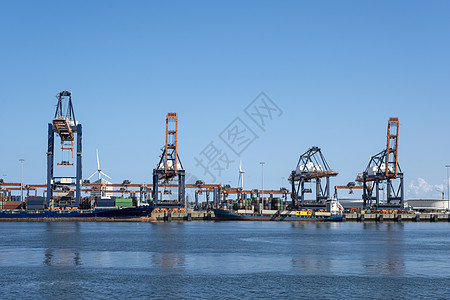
point(311, 167)
point(65, 125)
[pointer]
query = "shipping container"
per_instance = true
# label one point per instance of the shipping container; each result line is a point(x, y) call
point(124, 202)
point(35, 206)
point(35, 200)
point(105, 202)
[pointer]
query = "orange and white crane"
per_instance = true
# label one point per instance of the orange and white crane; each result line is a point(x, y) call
point(384, 168)
point(169, 167)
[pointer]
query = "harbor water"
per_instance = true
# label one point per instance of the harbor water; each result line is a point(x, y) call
point(224, 260)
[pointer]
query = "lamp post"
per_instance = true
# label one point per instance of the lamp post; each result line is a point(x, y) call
point(21, 179)
point(262, 186)
point(448, 189)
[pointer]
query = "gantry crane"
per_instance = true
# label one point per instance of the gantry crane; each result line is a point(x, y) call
point(65, 125)
point(202, 188)
point(311, 166)
point(383, 168)
point(169, 167)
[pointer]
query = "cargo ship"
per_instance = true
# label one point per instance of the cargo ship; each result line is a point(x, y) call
point(77, 214)
point(266, 215)
point(332, 213)
point(104, 208)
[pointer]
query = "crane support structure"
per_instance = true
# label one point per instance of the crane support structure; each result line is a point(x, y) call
point(392, 148)
point(311, 166)
point(384, 169)
point(169, 167)
point(170, 151)
point(66, 127)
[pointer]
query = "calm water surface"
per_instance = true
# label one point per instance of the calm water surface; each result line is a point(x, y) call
point(224, 260)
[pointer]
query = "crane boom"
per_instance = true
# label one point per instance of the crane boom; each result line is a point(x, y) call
point(392, 148)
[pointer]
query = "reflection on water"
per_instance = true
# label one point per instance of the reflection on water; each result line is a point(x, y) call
point(62, 234)
point(170, 245)
point(361, 248)
point(308, 248)
point(384, 253)
point(62, 257)
point(317, 225)
point(168, 260)
point(48, 257)
point(312, 265)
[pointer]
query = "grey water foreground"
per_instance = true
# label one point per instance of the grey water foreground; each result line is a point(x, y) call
point(225, 260)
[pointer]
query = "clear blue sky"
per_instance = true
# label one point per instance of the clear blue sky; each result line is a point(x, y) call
point(337, 69)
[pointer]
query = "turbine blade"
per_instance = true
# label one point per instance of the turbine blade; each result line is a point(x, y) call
point(92, 175)
point(98, 162)
point(101, 172)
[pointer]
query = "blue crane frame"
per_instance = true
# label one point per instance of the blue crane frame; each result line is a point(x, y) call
point(76, 128)
point(321, 170)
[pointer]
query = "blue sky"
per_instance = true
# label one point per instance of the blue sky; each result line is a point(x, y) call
point(337, 70)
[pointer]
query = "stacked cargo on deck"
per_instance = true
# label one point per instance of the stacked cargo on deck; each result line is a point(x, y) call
point(124, 202)
point(9, 202)
point(116, 202)
point(35, 203)
point(105, 202)
point(11, 205)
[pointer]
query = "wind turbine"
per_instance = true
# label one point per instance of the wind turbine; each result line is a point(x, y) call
point(241, 176)
point(442, 192)
point(99, 171)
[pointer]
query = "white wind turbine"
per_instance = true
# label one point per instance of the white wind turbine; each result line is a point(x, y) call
point(99, 171)
point(241, 176)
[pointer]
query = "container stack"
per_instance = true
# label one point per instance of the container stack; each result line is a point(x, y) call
point(267, 203)
point(105, 202)
point(11, 205)
point(203, 205)
point(15, 198)
point(248, 203)
point(124, 202)
point(227, 204)
point(276, 203)
point(35, 203)
point(240, 204)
